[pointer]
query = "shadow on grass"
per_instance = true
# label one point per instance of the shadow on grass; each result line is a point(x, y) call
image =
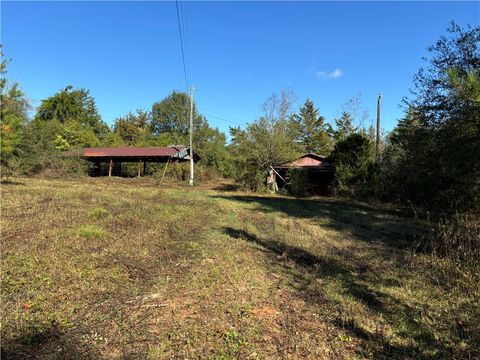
point(307, 267)
point(11, 182)
point(45, 341)
point(363, 222)
point(317, 266)
point(227, 187)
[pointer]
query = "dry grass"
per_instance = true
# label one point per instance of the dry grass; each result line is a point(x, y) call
point(123, 268)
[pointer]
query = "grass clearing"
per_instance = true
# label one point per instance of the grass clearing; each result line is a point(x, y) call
point(123, 268)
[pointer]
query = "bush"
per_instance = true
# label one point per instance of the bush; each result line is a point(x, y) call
point(49, 164)
point(455, 241)
point(61, 167)
point(252, 179)
point(298, 184)
point(181, 172)
point(458, 238)
point(355, 170)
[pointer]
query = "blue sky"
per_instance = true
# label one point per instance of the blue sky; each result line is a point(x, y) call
point(238, 53)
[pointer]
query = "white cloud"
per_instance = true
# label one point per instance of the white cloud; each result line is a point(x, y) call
point(333, 75)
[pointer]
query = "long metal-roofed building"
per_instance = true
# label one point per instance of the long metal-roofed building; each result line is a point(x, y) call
point(115, 156)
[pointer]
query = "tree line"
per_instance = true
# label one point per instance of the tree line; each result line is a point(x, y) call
point(69, 120)
point(431, 159)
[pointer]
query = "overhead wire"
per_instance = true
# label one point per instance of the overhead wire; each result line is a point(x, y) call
point(182, 46)
point(223, 119)
point(186, 38)
point(226, 100)
point(219, 116)
point(182, 20)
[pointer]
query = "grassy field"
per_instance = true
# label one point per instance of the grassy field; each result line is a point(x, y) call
point(123, 268)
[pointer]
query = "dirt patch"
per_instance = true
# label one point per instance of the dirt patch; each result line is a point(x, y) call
point(265, 312)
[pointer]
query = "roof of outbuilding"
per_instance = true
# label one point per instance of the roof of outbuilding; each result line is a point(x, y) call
point(309, 161)
point(313, 155)
point(132, 151)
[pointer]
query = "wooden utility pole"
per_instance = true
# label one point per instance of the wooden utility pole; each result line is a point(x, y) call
point(377, 143)
point(191, 136)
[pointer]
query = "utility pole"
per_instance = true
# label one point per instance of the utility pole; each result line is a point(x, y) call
point(377, 144)
point(191, 136)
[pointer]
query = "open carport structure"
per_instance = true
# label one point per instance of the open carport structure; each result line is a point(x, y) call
point(141, 155)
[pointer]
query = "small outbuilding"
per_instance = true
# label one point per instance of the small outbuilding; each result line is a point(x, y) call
point(115, 156)
point(317, 170)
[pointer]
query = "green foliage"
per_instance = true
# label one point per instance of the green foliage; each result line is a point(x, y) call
point(431, 159)
point(177, 171)
point(298, 184)
point(133, 129)
point(58, 166)
point(69, 106)
point(210, 144)
point(466, 84)
point(170, 124)
point(13, 116)
point(265, 142)
point(172, 115)
point(112, 139)
point(40, 151)
point(313, 134)
point(344, 126)
point(65, 121)
point(353, 161)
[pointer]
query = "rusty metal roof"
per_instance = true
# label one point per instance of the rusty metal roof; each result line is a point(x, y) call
point(309, 161)
point(132, 152)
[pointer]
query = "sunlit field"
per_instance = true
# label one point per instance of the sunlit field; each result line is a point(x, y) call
point(125, 268)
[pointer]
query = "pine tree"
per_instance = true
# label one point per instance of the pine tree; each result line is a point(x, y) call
point(313, 134)
point(344, 126)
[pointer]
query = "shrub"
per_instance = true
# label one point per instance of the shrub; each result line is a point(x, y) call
point(298, 184)
point(354, 165)
point(60, 167)
point(458, 238)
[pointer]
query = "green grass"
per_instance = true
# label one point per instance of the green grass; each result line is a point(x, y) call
point(90, 232)
point(98, 213)
point(125, 268)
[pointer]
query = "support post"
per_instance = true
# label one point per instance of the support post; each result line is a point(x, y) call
point(144, 168)
point(110, 166)
point(139, 167)
point(276, 172)
point(191, 137)
point(165, 169)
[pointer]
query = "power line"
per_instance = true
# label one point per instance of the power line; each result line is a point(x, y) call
point(227, 101)
point(222, 118)
point(182, 46)
point(217, 114)
point(185, 32)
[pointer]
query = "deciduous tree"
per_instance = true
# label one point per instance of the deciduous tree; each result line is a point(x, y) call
point(267, 141)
